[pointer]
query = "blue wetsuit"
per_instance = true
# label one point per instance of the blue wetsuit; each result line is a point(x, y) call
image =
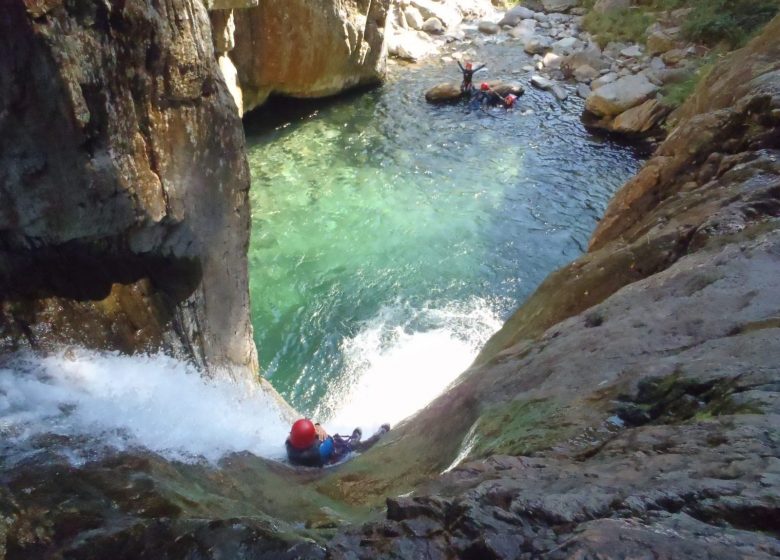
point(332, 450)
point(316, 455)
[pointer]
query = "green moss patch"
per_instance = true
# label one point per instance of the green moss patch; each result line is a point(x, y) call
point(674, 399)
point(520, 427)
point(711, 22)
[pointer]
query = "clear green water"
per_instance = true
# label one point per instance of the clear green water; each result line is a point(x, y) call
point(391, 238)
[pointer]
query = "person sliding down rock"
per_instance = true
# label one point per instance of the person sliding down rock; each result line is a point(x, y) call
point(309, 445)
point(468, 74)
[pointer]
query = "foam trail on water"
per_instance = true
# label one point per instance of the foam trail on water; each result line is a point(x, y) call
point(155, 402)
point(402, 360)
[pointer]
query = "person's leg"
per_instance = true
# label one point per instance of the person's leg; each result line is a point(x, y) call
point(370, 442)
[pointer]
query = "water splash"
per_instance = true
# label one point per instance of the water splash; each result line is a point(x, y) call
point(98, 401)
point(402, 359)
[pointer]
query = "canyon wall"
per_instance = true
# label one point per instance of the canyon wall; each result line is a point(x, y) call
point(630, 407)
point(308, 48)
point(124, 219)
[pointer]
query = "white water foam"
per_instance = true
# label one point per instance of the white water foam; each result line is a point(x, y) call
point(402, 360)
point(120, 402)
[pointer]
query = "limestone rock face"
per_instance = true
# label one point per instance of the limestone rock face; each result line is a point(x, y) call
point(309, 48)
point(124, 218)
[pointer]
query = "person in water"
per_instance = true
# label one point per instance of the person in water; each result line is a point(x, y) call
point(468, 74)
point(487, 96)
point(309, 445)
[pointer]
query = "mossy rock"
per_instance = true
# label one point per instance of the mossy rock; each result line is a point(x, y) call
point(520, 427)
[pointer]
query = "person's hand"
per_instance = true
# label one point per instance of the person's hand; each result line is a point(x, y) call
point(321, 433)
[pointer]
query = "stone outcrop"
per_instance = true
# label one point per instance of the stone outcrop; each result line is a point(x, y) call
point(308, 48)
point(124, 219)
point(620, 95)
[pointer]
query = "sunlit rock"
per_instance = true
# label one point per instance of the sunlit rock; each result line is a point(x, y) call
point(308, 49)
point(618, 96)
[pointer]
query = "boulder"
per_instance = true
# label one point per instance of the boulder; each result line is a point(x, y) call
point(414, 18)
point(620, 95)
point(614, 48)
point(585, 73)
point(411, 45)
point(443, 93)
point(659, 42)
point(447, 13)
point(434, 26)
point(673, 57)
point(326, 51)
point(537, 45)
point(567, 45)
point(640, 119)
point(677, 75)
point(522, 33)
point(541, 82)
point(474, 9)
point(634, 51)
point(505, 88)
point(590, 55)
point(560, 93)
point(448, 91)
point(488, 27)
point(559, 5)
point(604, 80)
point(534, 5)
point(515, 15)
point(551, 61)
point(583, 91)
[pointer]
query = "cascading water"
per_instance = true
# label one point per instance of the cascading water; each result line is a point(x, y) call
point(391, 238)
point(121, 402)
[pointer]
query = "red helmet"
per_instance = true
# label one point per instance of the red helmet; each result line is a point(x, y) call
point(468, 66)
point(484, 87)
point(302, 434)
